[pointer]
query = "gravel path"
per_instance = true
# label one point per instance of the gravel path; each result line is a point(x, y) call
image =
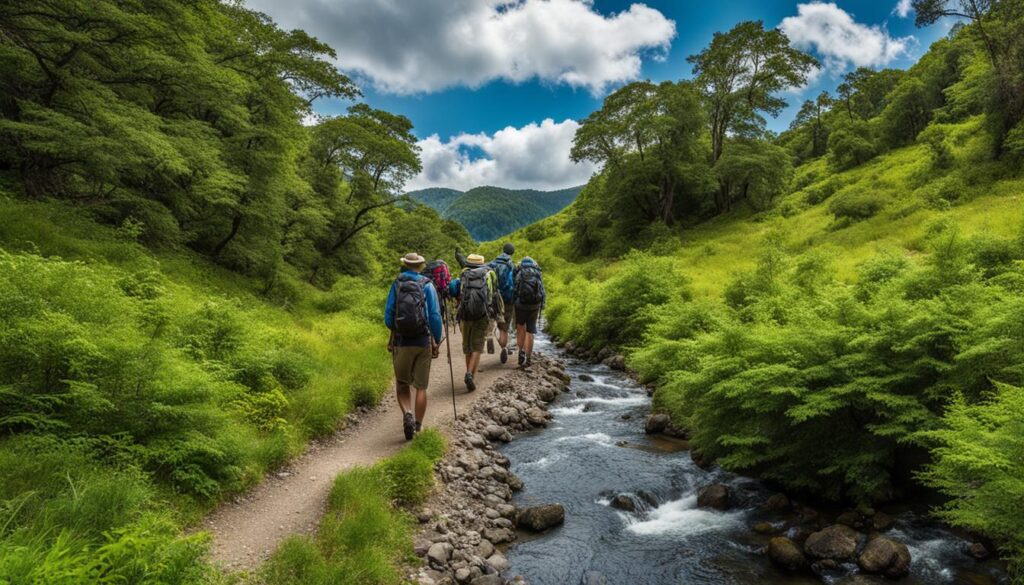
point(291, 501)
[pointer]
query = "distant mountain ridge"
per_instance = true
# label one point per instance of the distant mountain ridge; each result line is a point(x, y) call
point(491, 212)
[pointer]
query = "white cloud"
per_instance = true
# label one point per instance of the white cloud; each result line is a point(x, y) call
point(535, 156)
point(840, 40)
point(903, 8)
point(413, 46)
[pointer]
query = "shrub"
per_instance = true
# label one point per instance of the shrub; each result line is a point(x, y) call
point(855, 205)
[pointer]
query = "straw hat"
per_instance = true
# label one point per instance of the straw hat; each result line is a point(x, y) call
point(475, 259)
point(413, 260)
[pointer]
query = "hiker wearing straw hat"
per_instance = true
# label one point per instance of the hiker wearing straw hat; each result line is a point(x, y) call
point(413, 315)
point(479, 304)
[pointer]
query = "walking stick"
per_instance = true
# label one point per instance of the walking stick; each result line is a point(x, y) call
point(451, 369)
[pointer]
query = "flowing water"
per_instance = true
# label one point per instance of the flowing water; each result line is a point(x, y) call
point(595, 448)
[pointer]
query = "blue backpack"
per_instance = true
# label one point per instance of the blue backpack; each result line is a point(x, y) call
point(503, 269)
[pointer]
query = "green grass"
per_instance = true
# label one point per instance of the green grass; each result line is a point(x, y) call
point(139, 387)
point(366, 534)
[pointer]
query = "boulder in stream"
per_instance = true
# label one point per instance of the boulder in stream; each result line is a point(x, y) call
point(541, 518)
point(623, 502)
point(886, 556)
point(656, 423)
point(835, 542)
point(714, 496)
point(586, 378)
point(786, 554)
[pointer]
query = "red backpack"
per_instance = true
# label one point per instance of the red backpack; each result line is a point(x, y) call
point(437, 272)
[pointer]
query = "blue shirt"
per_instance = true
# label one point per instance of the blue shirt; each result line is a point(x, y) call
point(432, 309)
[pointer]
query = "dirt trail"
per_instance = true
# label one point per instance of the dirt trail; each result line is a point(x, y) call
point(246, 531)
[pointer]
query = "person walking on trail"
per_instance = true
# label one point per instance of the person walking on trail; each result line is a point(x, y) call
point(413, 315)
point(479, 303)
point(530, 298)
point(437, 271)
point(505, 272)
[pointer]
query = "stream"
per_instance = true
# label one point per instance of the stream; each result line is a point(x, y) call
point(595, 448)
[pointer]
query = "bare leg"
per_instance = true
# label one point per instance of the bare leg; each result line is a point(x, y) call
point(474, 362)
point(503, 337)
point(421, 404)
point(403, 397)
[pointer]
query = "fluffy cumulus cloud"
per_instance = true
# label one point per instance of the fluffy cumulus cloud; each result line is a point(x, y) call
point(903, 8)
point(535, 156)
point(840, 40)
point(413, 46)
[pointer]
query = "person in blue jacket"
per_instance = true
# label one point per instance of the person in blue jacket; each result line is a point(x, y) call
point(413, 314)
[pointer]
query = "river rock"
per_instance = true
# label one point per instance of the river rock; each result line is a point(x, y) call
point(546, 393)
point(776, 503)
point(886, 556)
point(861, 580)
point(594, 578)
point(536, 417)
point(764, 528)
point(882, 521)
point(541, 518)
point(487, 580)
point(836, 542)
point(439, 553)
point(605, 353)
point(585, 378)
point(623, 502)
point(484, 549)
point(498, 561)
point(714, 496)
point(497, 535)
point(656, 423)
point(615, 362)
point(462, 575)
point(978, 550)
point(786, 554)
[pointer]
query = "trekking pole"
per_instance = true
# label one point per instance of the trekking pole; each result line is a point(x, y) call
point(451, 369)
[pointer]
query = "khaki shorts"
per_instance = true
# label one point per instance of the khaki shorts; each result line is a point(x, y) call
point(412, 366)
point(508, 318)
point(473, 335)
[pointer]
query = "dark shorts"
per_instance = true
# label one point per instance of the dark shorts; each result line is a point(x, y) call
point(527, 316)
point(412, 366)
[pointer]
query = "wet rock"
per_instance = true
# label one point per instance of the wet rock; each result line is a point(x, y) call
point(605, 353)
point(585, 378)
point(594, 578)
point(882, 521)
point(506, 510)
point(615, 362)
point(439, 553)
point(623, 502)
point(698, 459)
point(541, 518)
point(886, 556)
point(861, 580)
point(836, 542)
point(851, 519)
point(978, 550)
point(776, 503)
point(546, 394)
point(462, 575)
point(626, 416)
point(498, 562)
point(656, 423)
point(673, 431)
point(497, 535)
point(514, 482)
point(764, 528)
point(484, 549)
point(487, 580)
point(648, 497)
point(536, 417)
point(714, 496)
point(786, 554)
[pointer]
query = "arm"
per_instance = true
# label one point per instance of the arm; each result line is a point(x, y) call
point(389, 309)
point(433, 313)
point(460, 258)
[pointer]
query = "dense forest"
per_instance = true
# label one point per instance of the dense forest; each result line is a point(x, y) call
point(838, 308)
point(190, 279)
point(491, 212)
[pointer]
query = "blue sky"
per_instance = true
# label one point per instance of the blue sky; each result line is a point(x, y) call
point(479, 78)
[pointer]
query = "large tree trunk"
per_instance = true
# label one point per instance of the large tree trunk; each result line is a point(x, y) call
point(235, 224)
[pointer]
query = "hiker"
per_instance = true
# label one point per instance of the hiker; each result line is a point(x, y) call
point(530, 298)
point(479, 303)
point(439, 275)
point(505, 271)
point(413, 315)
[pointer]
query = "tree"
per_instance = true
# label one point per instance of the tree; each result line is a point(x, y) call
point(739, 75)
point(357, 164)
point(863, 91)
point(812, 117)
point(648, 136)
point(851, 145)
point(755, 170)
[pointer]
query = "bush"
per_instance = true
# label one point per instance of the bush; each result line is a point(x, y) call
point(856, 205)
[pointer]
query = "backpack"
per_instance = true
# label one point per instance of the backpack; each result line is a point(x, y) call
point(475, 295)
point(411, 307)
point(437, 272)
point(529, 286)
point(503, 270)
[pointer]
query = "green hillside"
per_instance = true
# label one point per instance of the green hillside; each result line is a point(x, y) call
point(491, 212)
point(838, 310)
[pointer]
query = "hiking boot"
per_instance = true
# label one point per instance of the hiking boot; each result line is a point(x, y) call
point(490, 347)
point(504, 355)
point(470, 384)
point(408, 425)
point(522, 357)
